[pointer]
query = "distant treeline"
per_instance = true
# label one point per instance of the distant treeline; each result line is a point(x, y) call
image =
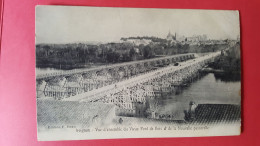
point(153, 39)
point(77, 55)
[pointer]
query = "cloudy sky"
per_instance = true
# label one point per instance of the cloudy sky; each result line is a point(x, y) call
point(64, 24)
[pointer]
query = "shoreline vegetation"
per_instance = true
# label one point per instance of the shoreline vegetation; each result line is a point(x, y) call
point(227, 67)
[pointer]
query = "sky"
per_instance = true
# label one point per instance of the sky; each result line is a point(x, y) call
point(70, 24)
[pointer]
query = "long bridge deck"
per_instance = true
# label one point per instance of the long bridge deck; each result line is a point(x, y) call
point(141, 78)
point(75, 71)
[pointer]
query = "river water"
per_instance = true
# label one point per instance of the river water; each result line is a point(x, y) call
point(205, 90)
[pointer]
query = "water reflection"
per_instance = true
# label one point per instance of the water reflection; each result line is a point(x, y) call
point(207, 88)
point(228, 76)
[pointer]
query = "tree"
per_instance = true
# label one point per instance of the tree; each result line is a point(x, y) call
point(110, 56)
point(147, 52)
point(132, 52)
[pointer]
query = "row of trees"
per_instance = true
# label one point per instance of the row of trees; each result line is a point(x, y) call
point(81, 55)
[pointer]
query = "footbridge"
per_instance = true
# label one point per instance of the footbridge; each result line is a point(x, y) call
point(130, 68)
point(70, 83)
point(130, 94)
point(174, 75)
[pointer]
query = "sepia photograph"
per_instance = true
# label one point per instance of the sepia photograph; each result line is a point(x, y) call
point(105, 73)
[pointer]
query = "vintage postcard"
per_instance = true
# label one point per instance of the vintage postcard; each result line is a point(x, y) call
point(106, 73)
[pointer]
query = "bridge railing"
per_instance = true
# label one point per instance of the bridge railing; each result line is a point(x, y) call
point(75, 71)
point(132, 81)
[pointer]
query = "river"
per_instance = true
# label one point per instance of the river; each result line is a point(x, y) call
point(205, 90)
